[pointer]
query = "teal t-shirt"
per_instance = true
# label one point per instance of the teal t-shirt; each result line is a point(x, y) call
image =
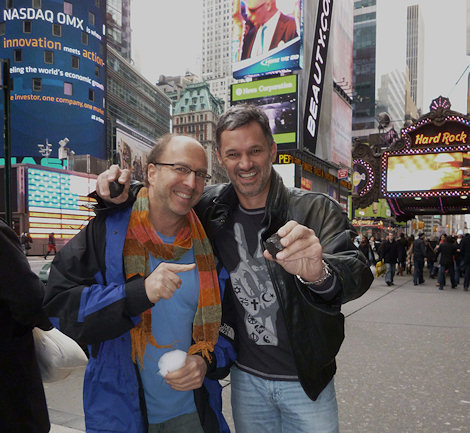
point(172, 323)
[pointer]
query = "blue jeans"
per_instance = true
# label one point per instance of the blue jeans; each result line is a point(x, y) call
point(389, 272)
point(418, 271)
point(270, 406)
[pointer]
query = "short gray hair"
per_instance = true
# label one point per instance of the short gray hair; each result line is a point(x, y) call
point(241, 115)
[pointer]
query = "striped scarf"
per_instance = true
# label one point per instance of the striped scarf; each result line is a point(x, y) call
point(142, 239)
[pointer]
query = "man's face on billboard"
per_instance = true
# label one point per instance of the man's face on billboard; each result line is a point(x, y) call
point(258, 11)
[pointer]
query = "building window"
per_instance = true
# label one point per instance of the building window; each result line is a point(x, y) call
point(68, 8)
point(8, 4)
point(27, 26)
point(91, 94)
point(97, 3)
point(91, 18)
point(18, 56)
point(2, 28)
point(57, 30)
point(37, 4)
point(68, 89)
point(75, 62)
point(97, 71)
point(84, 38)
point(37, 84)
point(49, 57)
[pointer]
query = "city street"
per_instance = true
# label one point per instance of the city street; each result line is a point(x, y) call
point(404, 366)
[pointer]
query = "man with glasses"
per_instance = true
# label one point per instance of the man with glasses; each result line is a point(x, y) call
point(269, 28)
point(282, 307)
point(136, 284)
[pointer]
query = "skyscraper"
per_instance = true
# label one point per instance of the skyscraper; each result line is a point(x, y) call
point(217, 47)
point(364, 71)
point(415, 53)
point(118, 27)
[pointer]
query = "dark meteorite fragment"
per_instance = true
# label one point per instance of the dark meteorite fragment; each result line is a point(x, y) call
point(273, 244)
point(115, 188)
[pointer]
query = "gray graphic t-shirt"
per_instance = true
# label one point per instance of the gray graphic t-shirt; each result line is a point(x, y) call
point(264, 347)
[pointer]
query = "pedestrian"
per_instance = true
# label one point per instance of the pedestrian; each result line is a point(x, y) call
point(22, 401)
point(401, 254)
point(389, 253)
point(409, 254)
point(431, 256)
point(143, 283)
point(458, 257)
point(364, 248)
point(281, 309)
point(447, 250)
point(51, 245)
point(465, 254)
point(419, 254)
point(26, 240)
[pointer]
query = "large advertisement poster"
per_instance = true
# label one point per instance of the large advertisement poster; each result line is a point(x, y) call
point(316, 76)
point(267, 36)
point(433, 171)
point(56, 53)
point(341, 126)
point(278, 99)
point(132, 150)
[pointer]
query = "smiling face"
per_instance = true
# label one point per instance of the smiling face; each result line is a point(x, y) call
point(173, 194)
point(247, 156)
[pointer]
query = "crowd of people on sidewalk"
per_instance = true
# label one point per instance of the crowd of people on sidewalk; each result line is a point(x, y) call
point(448, 256)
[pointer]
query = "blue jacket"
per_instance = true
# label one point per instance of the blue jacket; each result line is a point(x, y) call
point(88, 299)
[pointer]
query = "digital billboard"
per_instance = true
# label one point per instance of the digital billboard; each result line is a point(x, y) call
point(132, 149)
point(278, 99)
point(56, 54)
point(429, 172)
point(266, 36)
point(58, 202)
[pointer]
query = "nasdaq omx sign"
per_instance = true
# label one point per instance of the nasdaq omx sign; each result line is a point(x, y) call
point(57, 68)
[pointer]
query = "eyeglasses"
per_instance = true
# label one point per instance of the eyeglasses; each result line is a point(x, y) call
point(185, 171)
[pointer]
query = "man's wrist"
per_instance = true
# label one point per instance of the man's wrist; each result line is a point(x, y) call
point(319, 281)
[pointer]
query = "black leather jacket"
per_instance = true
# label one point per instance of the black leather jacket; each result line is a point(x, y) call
point(314, 322)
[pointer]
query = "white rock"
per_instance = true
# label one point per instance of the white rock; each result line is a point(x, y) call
point(171, 361)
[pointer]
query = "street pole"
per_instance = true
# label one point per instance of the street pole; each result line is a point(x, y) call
point(6, 137)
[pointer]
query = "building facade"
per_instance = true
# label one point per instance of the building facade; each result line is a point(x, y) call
point(118, 27)
point(196, 114)
point(134, 101)
point(217, 47)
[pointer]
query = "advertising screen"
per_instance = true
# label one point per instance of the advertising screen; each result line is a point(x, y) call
point(132, 149)
point(56, 55)
point(433, 171)
point(278, 98)
point(266, 37)
point(58, 203)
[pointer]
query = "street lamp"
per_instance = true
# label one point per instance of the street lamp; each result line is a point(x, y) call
point(45, 150)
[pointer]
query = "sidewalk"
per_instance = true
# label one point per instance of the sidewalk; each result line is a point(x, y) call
point(404, 366)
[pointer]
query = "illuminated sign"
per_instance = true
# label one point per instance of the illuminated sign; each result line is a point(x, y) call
point(283, 158)
point(278, 99)
point(57, 68)
point(266, 47)
point(430, 172)
point(58, 202)
point(442, 137)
